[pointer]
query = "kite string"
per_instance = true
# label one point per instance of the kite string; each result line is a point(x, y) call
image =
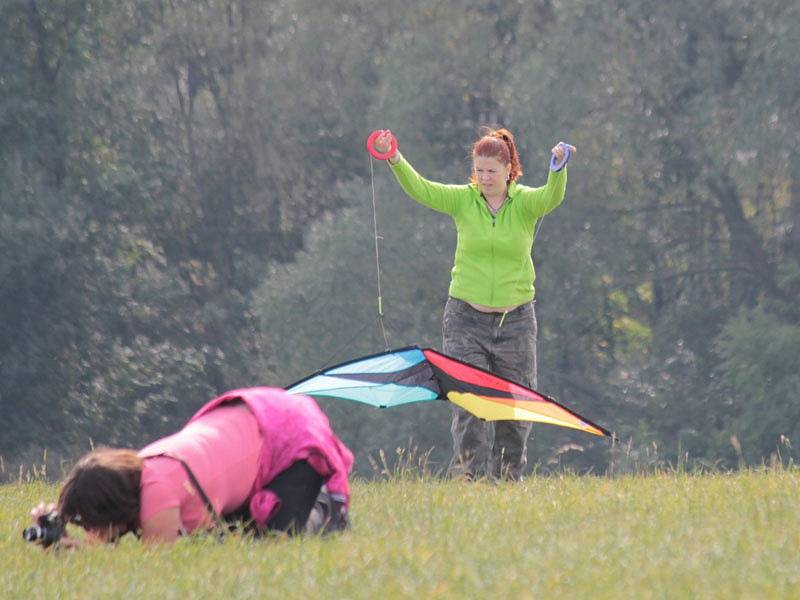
point(377, 253)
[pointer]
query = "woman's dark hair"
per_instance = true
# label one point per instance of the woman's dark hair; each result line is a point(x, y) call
point(498, 144)
point(103, 489)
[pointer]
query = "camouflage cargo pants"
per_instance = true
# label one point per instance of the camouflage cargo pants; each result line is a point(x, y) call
point(492, 448)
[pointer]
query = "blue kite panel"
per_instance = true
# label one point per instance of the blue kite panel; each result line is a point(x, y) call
point(384, 363)
point(374, 394)
point(324, 383)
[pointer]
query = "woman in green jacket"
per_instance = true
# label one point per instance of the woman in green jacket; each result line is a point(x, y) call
point(489, 319)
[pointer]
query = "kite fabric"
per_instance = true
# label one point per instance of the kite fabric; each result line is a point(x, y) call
point(415, 374)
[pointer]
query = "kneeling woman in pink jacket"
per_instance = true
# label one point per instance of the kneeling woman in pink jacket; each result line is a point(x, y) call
point(258, 455)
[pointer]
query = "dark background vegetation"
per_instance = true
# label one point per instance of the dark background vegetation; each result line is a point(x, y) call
point(186, 208)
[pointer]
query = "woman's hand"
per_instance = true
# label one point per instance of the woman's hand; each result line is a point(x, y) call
point(40, 510)
point(70, 543)
point(383, 142)
point(558, 150)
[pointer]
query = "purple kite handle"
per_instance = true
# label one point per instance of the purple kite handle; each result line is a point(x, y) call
point(554, 164)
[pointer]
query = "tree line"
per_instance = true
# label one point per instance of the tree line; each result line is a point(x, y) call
point(187, 208)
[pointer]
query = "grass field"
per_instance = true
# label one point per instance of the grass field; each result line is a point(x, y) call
point(657, 536)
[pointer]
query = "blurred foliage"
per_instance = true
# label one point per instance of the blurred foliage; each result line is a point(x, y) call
point(186, 207)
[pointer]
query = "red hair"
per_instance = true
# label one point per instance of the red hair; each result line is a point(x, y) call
point(499, 144)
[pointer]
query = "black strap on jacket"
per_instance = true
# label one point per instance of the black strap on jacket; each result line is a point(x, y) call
point(196, 484)
point(201, 491)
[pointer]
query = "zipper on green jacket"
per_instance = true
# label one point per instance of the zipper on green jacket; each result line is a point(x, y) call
point(494, 221)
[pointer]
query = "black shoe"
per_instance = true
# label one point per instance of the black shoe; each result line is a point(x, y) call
point(328, 516)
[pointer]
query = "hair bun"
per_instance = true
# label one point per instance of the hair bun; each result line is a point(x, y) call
point(503, 134)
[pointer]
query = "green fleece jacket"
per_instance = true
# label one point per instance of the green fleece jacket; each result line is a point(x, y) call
point(493, 265)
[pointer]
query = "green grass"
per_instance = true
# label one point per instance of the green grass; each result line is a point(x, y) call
point(658, 536)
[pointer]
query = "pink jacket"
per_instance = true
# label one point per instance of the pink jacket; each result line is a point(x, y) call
point(294, 428)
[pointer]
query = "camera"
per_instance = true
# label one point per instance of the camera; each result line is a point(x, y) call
point(50, 528)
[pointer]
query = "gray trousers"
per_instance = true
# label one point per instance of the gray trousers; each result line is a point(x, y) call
point(496, 448)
